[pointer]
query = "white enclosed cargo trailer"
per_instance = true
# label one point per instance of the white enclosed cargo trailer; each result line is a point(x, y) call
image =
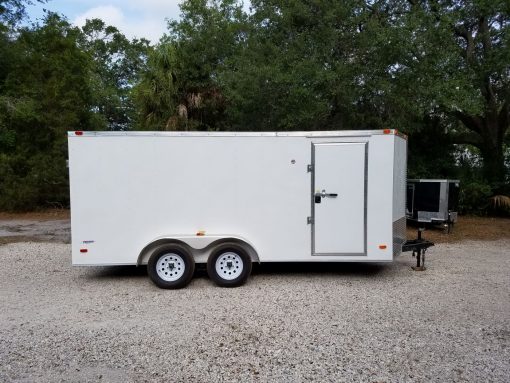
point(173, 199)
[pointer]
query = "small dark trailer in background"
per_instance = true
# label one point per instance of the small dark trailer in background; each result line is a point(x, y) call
point(432, 201)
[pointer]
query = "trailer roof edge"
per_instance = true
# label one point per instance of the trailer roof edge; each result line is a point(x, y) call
point(432, 180)
point(332, 133)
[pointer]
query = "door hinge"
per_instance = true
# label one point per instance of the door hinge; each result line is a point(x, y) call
point(309, 168)
point(309, 220)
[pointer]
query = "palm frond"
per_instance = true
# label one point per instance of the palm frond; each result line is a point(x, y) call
point(500, 202)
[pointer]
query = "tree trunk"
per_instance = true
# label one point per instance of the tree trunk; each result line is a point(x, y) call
point(492, 152)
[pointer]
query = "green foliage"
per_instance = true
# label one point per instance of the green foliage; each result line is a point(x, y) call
point(117, 66)
point(13, 11)
point(431, 153)
point(458, 59)
point(156, 94)
point(45, 93)
point(474, 197)
point(291, 71)
point(180, 88)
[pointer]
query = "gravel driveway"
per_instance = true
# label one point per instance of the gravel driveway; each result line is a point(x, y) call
point(289, 323)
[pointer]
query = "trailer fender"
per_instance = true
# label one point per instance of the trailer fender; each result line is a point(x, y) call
point(199, 246)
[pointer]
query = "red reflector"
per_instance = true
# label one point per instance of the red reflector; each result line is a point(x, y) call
point(79, 133)
point(83, 250)
point(387, 131)
point(382, 247)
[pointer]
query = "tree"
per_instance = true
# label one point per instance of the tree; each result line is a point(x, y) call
point(118, 63)
point(292, 70)
point(188, 62)
point(483, 36)
point(457, 59)
point(13, 11)
point(45, 93)
point(156, 94)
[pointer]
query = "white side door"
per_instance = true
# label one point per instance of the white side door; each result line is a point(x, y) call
point(339, 198)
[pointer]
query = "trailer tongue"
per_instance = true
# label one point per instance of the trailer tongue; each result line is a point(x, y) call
point(419, 247)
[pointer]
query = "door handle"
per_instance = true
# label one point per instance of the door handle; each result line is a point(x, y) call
point(323, 194)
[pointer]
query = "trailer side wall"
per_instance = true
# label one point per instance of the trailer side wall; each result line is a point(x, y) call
point(128, 190)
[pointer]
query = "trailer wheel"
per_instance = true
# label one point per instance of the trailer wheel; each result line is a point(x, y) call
point(171, 267)
point(229, 265)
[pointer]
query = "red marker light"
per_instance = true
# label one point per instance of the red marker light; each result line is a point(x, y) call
point(79, 133)
point(387, 131)
point(83, 250)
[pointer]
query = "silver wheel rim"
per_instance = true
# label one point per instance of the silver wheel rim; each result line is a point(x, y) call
point(170, 267)
point(229, 265)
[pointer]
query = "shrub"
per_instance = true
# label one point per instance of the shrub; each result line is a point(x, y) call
point(474, 197)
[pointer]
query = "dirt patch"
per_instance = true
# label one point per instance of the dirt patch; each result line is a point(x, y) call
point(467, 228)
point(43, 215)
point(51, 225)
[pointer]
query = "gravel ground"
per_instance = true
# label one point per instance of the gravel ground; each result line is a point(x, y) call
point(289, 323)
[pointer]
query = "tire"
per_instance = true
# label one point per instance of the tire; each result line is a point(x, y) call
point(229, 265)
point(171, 267)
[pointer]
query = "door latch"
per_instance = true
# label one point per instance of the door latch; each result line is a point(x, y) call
point(323, 194)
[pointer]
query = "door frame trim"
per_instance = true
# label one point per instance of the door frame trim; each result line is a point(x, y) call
point(312, 199)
